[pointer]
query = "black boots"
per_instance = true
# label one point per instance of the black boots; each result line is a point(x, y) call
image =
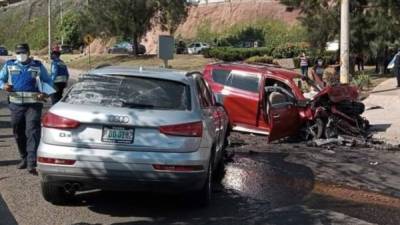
point(22, 165)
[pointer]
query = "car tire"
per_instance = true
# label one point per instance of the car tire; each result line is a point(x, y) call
point(55, 194)
point(203, 196)
point(316, 129)
point(219, 171)
point(331, 132)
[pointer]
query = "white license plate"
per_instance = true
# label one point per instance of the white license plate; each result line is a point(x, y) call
point(114, 134)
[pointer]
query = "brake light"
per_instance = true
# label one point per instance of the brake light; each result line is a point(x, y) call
point(56, 161)
point(178, 168)
point(51, 120)
point(186, 130)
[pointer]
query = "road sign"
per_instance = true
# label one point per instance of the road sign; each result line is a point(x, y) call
point(166, 45)
point(88, 39)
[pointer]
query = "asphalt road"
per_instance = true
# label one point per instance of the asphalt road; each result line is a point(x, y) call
point(264, 184)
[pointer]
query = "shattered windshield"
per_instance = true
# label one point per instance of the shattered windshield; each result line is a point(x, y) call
point(130, 92)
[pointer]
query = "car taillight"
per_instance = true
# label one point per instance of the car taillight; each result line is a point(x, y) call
point(56, 161)
point(51, 120)
point(186, 130)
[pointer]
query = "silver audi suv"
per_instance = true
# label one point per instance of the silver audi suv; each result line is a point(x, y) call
point(133, 129)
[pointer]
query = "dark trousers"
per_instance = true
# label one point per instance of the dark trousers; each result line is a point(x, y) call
point(304, 71)
point(25, 121)
point(398, 80)
point(58, 95)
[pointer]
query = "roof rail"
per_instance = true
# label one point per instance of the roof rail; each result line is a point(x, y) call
point(193, 73)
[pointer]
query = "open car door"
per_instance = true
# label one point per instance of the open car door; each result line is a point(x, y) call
point(283, 115)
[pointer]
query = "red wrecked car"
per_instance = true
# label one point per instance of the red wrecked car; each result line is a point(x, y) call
point(266, 99)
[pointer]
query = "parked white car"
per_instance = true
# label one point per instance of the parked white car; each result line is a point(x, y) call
point(197, 47)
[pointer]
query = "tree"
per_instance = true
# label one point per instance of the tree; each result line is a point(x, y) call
point(372, 23)
point(131, 19)
point(72, 28)
point(320, 18)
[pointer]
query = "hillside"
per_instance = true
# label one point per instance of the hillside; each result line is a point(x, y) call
point(223, 15)
point(27, 21)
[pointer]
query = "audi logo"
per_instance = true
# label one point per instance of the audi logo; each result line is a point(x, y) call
point(118, 119)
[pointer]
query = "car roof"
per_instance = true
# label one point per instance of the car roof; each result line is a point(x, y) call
point(159, 73)
point(262, 68)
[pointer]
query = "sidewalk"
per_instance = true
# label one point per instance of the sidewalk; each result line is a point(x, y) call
point(383, 111)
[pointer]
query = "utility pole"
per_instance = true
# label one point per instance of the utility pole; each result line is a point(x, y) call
point(62, 22)
point(344, 42)
point(49, 26)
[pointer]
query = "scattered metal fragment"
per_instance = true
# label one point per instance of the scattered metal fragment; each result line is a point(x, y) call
point(321, 142)
point(374, 107)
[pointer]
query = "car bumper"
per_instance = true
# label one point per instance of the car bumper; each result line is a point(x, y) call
point(122, 170)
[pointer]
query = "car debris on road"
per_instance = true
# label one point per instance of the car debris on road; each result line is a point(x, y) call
point(352, 141)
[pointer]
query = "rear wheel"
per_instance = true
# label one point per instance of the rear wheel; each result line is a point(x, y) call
point(55, 194)
point(204, 195)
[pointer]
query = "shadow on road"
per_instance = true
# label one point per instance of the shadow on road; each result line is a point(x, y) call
point(9, 162)
point(380, 127)
point(6, 217)
point(370, 211)
point(386, 90)
point(5, 124)
point(6, 136)
point(253, 185)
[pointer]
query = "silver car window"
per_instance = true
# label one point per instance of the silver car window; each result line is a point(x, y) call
point(131, 92)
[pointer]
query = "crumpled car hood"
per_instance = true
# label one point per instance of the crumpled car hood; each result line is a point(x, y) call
point(339, 93)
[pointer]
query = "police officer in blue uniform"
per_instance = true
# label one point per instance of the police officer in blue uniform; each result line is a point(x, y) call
point(59, 76)
point(23, 79)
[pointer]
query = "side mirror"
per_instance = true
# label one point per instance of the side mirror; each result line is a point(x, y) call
point(269, 89)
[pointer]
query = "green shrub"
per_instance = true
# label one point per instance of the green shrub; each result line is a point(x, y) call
point(362, 81)
point(235, 54)
point(290, 50)
point(260, 59)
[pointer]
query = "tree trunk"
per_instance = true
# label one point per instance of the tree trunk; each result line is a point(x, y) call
point(135, 45)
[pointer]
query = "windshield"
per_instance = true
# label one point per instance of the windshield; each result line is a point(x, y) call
point(130, 92)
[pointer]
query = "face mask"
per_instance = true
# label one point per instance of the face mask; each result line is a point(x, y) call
point(22, 57)
point(319, 63)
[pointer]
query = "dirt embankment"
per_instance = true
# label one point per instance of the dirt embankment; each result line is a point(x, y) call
point(220, 16)
point(224, 15)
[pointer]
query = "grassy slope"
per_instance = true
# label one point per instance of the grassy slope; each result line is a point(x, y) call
point(181, 62)
point(27, 22)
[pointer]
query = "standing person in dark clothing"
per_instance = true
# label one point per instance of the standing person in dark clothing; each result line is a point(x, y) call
point(396, 67)
point(59, 76)
point(360, 62)
point(25, 80)
point(304, 64)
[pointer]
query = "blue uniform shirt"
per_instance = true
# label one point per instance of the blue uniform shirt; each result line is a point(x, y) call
point(59, 71)
point(24, 78)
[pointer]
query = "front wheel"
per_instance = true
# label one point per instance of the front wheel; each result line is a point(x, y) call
point(316, 129)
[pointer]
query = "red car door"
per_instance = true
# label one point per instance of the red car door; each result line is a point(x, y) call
point(283, 116)
point(241, 98)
